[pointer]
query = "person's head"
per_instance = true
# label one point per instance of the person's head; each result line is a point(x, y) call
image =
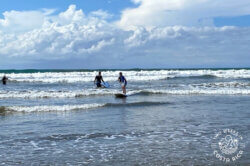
point(120, 73)
point(100, 73)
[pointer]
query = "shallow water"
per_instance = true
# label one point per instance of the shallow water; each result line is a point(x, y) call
point(163, 121)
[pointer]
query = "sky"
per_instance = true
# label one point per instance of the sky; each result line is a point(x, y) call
point(91, 34)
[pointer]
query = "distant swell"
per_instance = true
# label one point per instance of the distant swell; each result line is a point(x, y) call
point(208, 76)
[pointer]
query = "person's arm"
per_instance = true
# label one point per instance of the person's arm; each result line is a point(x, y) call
point(125, 81)
point(103, 80)
point(95, 80)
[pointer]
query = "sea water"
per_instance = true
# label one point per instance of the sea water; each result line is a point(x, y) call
point(59, 117)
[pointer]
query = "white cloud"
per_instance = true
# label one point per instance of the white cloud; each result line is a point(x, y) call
point(23, 21)
point(15, 21)
point(180, 12)
point(71, 15)
point(73, 39)
point(102, 14)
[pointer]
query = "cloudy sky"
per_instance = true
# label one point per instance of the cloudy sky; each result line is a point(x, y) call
point(124, 34)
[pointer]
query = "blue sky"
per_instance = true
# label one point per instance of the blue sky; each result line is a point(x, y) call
point(124, 33)
point(242, 21)
point(113, 6)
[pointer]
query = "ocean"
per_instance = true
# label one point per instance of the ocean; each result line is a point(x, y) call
point(170, 117)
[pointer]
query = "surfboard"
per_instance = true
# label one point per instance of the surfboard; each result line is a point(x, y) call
point(120, 95)
point(105, 85)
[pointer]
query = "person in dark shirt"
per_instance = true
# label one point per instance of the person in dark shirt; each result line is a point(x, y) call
point(4, 80)
point(123, 82)
point(98, 80)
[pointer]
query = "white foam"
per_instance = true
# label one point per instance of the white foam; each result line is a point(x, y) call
point(47, 108)
point(110, 137)
point(206, 88)
point(200, 91)
point(55, 94)
point(217, 85)
point(143, 75)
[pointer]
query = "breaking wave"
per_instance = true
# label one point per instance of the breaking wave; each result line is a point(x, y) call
point(48, 108)
point(196, 92)
point(206, 88)
point(55, 94)
point(140, 75)
point(63, 108)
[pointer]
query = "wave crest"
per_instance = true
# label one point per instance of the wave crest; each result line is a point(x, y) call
point(47, 108)
point(63, 108)
point(140, 75)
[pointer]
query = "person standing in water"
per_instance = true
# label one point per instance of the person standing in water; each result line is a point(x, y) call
point(4, 80)
point(98, 80)
point(123, 82)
